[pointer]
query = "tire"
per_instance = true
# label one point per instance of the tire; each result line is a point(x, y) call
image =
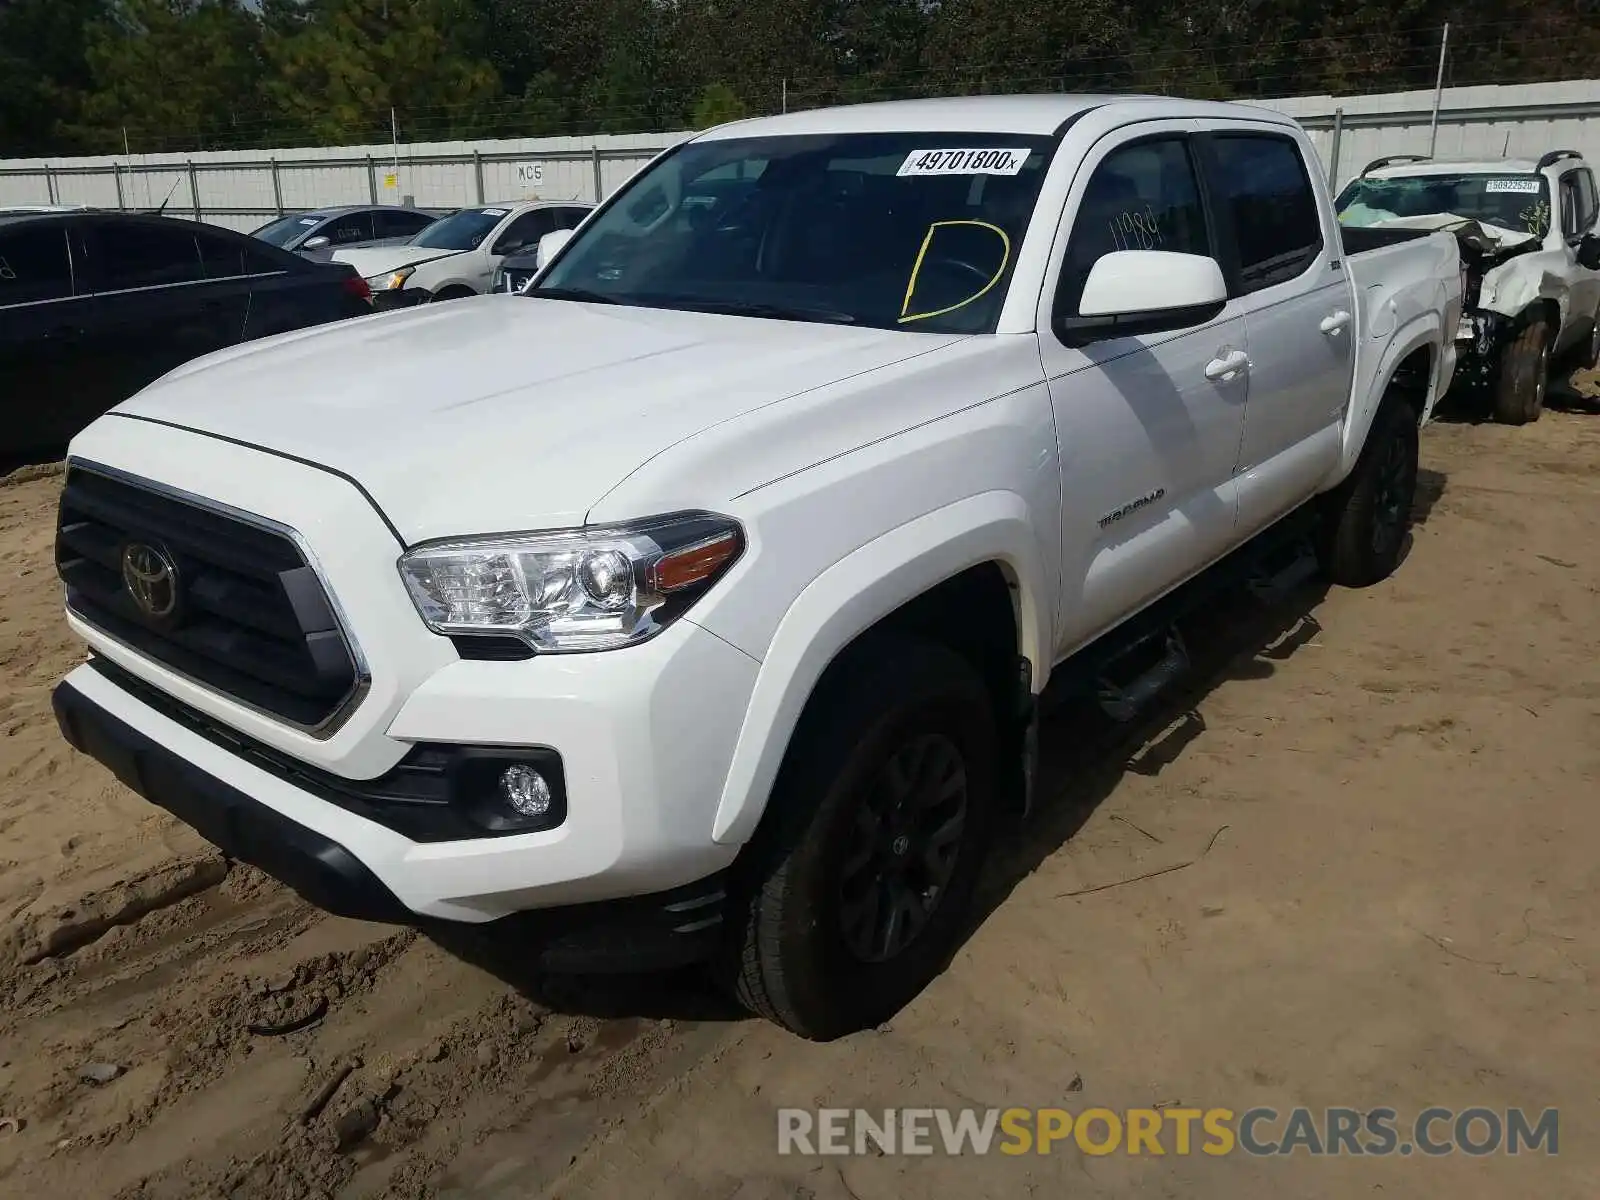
point(452, 293)
point(812, 950)
point(1524, 375)
point(1365, 518)
point(1590, 358)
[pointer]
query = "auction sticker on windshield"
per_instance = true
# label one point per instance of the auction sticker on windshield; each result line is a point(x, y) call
point(1494, 186)
point(985, 161)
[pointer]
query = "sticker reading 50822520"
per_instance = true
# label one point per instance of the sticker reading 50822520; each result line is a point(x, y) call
point(1528, 187)
point(988, 160)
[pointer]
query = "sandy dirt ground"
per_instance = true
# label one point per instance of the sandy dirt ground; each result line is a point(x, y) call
point(1387, 800)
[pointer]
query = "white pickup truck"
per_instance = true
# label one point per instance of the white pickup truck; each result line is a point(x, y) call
point(698, 603)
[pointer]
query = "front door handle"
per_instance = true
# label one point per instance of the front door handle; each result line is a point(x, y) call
point(1226, 365)
point(1334, 322)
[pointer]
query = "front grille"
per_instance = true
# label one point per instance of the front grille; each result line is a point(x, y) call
point(249, 619)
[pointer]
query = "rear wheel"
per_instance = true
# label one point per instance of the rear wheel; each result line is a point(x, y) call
point(1366, 517)
point(1524, 375)
point(863, 872)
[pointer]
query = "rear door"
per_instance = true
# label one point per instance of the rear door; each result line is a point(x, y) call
point(48, 392)
point(288, 292)
point(1148, 424)
point(1282, 256)
point(155, 307)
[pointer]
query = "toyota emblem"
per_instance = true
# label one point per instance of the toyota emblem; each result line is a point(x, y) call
point(151, 578)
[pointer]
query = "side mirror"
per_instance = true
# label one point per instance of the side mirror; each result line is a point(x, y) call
point(1589, 252)
point(1130, 292)
point(316, 243)
point(550, 243)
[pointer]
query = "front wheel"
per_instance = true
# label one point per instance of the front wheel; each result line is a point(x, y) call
point(1591, 356)
point(863, 872)
point(1366, 517)
point(1524, 375)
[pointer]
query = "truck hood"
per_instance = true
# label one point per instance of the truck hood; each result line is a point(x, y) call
point(504, 413)
point(378, 260)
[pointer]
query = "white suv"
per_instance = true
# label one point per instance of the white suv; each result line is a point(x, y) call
point(1533, 279)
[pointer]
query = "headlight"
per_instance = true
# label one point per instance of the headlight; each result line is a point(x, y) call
point(575, 590)
point(391, 281)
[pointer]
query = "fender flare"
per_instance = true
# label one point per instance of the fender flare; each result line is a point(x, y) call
point(850, 597)
point(1425, 331)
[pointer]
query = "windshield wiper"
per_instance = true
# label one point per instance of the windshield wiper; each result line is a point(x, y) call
point(571, 293)
point(780, 312)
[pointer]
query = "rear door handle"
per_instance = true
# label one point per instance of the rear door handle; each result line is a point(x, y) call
point(1226, 365)
point(1335, 322)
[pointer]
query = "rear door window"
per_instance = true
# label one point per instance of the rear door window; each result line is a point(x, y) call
point(1263, 191)
point(347, 228)
point(35, 264)
point(141, 255)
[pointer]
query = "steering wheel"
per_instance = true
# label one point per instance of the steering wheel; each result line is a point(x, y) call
point(984, 278)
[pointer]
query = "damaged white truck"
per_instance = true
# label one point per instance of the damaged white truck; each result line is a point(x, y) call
point(1530, 241)
point(698, 602)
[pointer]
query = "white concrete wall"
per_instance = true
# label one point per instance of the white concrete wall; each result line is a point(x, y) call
point(1474, 122)
point(235, 187)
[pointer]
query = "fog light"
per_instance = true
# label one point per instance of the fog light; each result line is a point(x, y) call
point(525, 791)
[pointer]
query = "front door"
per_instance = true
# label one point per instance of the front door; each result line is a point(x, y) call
point(42, 333)
point(1149, 425)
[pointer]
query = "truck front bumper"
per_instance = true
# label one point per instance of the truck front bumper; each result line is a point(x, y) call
point(641, 766)
point(157, 757)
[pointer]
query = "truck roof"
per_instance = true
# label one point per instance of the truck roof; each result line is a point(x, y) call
point(1029, 114)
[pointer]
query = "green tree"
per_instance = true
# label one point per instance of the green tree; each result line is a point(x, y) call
point(717, 105)
point(44, 72)
point(335, 77)
point(175, 74)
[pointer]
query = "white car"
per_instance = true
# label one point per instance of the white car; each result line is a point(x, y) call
point(457, 255)
point(716, 624)
point(1533, 282)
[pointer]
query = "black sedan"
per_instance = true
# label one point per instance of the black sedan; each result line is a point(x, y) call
point(94, 305)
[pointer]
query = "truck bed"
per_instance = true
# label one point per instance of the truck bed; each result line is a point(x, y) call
point(1401, 276)
point(1359, 239)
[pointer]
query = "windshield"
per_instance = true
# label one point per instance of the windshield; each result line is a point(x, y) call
point(285, 230)
point(914, 231)
point(464, 230)
point(1520, 203)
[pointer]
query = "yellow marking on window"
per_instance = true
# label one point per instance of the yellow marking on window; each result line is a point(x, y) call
point(916, 269)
